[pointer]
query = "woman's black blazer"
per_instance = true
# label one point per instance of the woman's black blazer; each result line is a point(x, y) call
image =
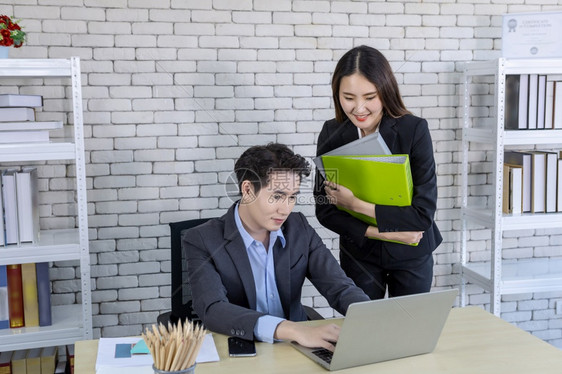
point(405, 135)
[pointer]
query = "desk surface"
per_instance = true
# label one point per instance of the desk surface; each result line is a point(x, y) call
point(473, 341)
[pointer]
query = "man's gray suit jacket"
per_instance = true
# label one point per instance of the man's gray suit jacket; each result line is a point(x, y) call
point(220, 275)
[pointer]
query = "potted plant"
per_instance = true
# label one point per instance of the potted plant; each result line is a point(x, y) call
point(11, 35)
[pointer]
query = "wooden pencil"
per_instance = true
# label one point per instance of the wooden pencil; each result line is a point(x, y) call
point(175, 347)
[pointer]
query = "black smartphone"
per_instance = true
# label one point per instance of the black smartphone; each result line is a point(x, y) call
point(238, 347)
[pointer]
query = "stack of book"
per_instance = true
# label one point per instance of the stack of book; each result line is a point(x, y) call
point(532, 182)
point(17, 120)
point(31, 361)
point(533, 102)
point(25, 295)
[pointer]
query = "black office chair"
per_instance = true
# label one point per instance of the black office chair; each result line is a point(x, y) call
point(182, 308)
point(311, 314)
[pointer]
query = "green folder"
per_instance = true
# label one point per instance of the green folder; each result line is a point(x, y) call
point(378, 179)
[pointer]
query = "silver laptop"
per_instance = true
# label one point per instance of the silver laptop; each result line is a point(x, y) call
point(387, 329)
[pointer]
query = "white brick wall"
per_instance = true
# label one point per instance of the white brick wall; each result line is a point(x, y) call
point(175, 90)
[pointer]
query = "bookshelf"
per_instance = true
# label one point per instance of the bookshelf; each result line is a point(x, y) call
point(484, 140)
point(69, 322)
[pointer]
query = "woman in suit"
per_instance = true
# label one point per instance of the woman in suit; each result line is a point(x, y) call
point(367, 100)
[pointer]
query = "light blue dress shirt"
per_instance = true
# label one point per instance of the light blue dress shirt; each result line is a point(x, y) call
point(263, 269)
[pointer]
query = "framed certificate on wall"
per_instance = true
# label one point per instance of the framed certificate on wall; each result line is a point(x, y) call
point(532, 35)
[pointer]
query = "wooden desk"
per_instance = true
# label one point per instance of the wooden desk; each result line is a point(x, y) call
point(473, 341)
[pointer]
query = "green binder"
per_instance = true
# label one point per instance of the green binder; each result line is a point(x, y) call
point(378, 179)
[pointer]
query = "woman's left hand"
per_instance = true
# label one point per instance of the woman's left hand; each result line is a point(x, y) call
point(339, 195)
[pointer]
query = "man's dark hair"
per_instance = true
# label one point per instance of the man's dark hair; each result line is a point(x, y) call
point(258, 162)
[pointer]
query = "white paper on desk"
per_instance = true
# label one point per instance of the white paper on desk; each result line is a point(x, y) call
point(106, 363)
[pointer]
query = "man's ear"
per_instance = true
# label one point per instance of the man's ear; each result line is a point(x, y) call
point(247, 191)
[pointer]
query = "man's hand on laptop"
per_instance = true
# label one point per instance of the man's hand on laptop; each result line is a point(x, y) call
point(314, 337)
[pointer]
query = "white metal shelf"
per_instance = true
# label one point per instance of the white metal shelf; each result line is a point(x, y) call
point(37, 151)
point(513, 137)
point(53, 245)
point(70, 322)
point(14, 67)
point(497, 276)
point(529, 221)
point(524, 276)
point(67, 327)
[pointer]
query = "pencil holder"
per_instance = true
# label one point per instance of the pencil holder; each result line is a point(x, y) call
point(189, 370)
point(174, 349)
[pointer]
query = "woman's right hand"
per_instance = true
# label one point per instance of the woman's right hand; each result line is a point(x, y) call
point(407, 237)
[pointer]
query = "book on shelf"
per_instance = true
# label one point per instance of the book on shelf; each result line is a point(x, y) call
point(372, 144)
point(557, 115)
point(559, 187)
point(21, 100)
point(43, 293)
point(15, 295)
point(541, 101)
point(32, 148)
point(6, 362)
point(2, 232)
point(29, 126)
point(512, 189)
point(33, 361)
point(4, 311)
point(549, 105)
point(10, 205)
point(512, 103)
point(516, 181)
point(532, 101)
point(49, 360)
point(69, 359)
point(61, 366)
point(506, 191)
point(522, 159)
point(18, 362)
point(27, 136)
point(16, 114)
point(523, 101)
point(551, 171)
point(538, 181)
point(29, 287)
point(27, 132)
point(27, 204)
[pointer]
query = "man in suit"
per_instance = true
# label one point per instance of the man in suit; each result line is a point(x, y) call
point(247, 268)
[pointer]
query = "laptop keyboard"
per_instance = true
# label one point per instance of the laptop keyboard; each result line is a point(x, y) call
point(324, 354)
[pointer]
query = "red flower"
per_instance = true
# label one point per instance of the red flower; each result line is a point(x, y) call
point(10, 32)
